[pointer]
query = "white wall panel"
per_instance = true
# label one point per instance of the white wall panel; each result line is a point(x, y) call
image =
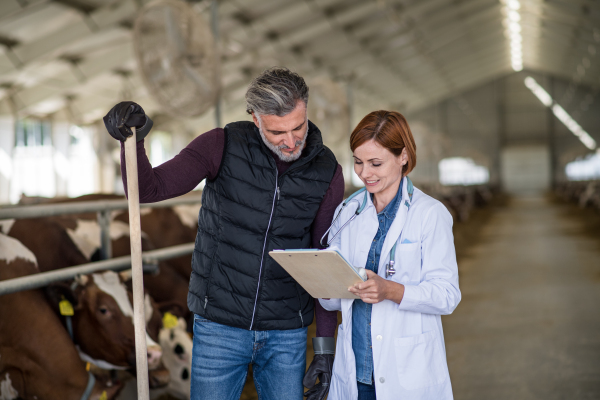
point(526, 169)
point(7, 138)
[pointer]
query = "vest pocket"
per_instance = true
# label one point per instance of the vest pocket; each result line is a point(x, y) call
point(419, 361)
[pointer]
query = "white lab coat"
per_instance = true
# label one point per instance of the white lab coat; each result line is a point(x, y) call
point(409, 354)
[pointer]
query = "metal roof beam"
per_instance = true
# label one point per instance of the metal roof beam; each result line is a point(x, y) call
point(10, 8)
point(89, 68)
point(28, 53)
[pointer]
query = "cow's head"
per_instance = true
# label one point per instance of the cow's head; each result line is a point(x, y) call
point(103, 321)
point(177, 355)
point(105, 313)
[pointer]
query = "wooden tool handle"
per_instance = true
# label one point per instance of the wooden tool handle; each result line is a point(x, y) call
point(135, 232)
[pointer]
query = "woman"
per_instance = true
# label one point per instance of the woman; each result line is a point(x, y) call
point(390, 344)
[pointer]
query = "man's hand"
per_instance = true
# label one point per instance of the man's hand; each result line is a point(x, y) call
point(123, 116)
point(321, 367)
point(377, 289)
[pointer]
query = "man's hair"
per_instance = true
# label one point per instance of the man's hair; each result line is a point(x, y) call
point(276, 92)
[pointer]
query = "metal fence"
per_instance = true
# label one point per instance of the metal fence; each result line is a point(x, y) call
point(103, 208)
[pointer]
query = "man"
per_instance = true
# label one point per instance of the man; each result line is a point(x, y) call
point(271, 184)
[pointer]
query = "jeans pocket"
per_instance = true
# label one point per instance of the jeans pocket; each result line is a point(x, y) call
point(200, 319)
point(419, 361)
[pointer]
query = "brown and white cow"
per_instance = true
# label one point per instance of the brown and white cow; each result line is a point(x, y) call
point(102, 322)
point(38, 359)
point(177, 357)
point(162, 227)
point(167, 287)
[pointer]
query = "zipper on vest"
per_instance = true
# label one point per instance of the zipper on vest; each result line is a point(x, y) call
point(277, 193)
point(262, 259)
point(300, 303)
point(205, 301)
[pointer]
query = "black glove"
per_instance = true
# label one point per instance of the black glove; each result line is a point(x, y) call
point(321, 367)
point(125, 115)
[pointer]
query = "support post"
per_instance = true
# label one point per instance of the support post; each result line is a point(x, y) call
point(214, 25)
point(7, 144)
point(105, 242)
point(502, 136)
point(552, 137)
point(348, 164)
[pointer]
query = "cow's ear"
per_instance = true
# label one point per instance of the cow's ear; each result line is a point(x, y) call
point(182, 324)
point(172, 307)
point(57, 292)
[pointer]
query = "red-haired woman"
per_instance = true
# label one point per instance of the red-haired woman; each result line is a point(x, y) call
point(390, 344)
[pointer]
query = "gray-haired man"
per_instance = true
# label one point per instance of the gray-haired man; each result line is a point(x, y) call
point(271, 184)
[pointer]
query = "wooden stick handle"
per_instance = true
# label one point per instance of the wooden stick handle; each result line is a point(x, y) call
point(135, 232)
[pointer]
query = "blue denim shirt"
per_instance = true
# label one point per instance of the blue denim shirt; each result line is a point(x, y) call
point(361, 311)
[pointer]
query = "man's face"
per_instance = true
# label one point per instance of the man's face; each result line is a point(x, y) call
point(285, 136)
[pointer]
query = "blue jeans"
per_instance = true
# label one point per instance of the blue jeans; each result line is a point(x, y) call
point(221, 355)
point(366, 392)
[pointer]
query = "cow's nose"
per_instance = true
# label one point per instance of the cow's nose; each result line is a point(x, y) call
point(179, 349)
point(154, 356)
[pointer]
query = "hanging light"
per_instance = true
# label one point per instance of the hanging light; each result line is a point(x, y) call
point(513, 30)
point(560, 113)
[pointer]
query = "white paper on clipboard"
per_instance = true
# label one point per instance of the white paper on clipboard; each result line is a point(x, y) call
point(322, 273)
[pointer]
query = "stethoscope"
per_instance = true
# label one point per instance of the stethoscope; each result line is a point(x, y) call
point(389, 268)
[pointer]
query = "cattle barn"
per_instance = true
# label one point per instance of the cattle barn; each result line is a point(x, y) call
point(503, 101)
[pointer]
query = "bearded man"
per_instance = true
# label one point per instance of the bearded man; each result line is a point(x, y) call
point(270, 184)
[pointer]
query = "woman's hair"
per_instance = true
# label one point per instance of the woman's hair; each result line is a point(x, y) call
point(390, 130)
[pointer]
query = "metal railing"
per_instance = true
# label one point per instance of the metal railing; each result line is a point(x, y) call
point(150, 259)
point(103, 208)
point(53, 209)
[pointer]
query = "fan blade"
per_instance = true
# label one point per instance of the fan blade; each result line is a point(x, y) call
point(174, 32)
point(159, 75)
point(199, 79)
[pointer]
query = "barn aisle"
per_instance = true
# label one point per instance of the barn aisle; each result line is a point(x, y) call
point(528, 326)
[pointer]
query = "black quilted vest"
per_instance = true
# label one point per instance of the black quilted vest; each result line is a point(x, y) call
point(247, 211)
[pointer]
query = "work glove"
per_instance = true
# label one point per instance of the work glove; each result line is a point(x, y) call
point(123, 116)
point(321, 367)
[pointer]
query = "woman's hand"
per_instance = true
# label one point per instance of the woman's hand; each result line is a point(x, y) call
point(377, 289)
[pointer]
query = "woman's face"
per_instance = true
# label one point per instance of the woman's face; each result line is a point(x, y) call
point(378, 168)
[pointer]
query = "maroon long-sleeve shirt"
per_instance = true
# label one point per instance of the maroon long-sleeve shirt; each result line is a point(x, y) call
point(200, 160)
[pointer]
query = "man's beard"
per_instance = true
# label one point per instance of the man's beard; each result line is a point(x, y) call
point(278, 150)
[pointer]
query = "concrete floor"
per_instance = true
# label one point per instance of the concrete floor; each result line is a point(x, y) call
point(528, 326)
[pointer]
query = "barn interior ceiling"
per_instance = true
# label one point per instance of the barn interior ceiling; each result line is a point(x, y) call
point(77, 55)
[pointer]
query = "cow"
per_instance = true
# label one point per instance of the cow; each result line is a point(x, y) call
point(38, 359)
point(102, 321)
point(161, 227)
point(177, 357)
point(167, 287)
point(103, 313)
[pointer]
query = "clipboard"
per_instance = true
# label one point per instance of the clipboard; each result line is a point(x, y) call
point(322, 273)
